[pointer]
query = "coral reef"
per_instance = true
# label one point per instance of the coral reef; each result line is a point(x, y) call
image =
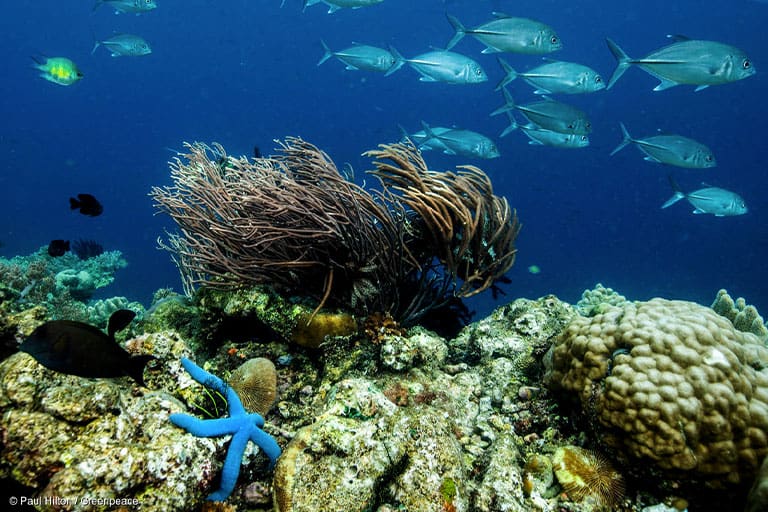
point(61, 284)
point(744, 317)
point(391, 418)
point(66, 436)
point(669, 383)
point(597, 300)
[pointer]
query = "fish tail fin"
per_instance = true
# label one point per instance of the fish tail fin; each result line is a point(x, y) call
point(461, 31)
point(327, 55)
point(623, 60)
point(96, 44)
point(627, 139)
point(404, 133)
point(74, 204)
point(509, 103)
point(510, 74)
point(399, 61)
point(136, 366)
point(512, 124)
point(428, 131)
point(678, 195)
point(37, 63)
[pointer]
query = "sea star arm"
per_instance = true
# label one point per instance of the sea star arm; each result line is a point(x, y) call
point(203, 428)
point(231, 469)
point(267, 443)
point(203, 377)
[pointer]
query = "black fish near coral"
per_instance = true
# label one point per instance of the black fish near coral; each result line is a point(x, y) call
point(77, 348)
point(87, 204)
point(85, 249)
point(58, 248)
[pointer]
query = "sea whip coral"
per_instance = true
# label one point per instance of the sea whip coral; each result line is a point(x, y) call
point(295, 222)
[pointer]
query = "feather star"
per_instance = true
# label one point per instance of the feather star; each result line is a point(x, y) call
point(242, 425)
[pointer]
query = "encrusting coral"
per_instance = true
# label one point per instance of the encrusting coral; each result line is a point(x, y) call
point(671, 383)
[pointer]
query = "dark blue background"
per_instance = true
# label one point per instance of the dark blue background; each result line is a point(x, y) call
point(244, 73)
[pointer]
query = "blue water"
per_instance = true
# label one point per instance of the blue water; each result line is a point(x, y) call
point(244, 73)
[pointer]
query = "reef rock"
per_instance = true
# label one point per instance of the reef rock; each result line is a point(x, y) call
point(102, 439)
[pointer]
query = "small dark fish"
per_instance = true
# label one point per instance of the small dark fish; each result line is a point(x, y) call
point(77, 348)
point(58, 247)
point(256, 152)
point(87, 204)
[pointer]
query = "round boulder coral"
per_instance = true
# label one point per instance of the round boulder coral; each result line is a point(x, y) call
point(670, 382)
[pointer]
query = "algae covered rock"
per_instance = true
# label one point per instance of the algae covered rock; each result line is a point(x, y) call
point(364, 450)
point(100, 439)
point(519, 331)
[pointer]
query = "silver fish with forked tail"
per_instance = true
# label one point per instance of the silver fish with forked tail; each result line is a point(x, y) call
point(124, 45)
point(542, 137)
point(335, 5)
point(508, 34)
point(671, 150)
point(713, 200)
point(445, 66)
point(687, 61)
point(556, 77)
point(364, 57)
point(549, 114)
point(132, 6)
point(456, 141)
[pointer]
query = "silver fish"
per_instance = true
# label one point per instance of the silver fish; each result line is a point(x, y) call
point(445, 66)
point(716, 201)
point(122, 45)
point(556, 77)
point(542, 137)
point(671, 150)
point(549, 114)
point(364, 57)
point(133, 6)
point(463, 142)
point(335, 5)
point(690, 61)
point(508, 34)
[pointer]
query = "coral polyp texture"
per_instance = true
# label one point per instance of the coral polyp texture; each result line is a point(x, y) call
point(670, 382)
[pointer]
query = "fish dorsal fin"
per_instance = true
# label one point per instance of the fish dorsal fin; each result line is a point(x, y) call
point(500, 15)
point(119, 321)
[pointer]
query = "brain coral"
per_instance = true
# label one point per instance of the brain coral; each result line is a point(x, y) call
point(670, 382)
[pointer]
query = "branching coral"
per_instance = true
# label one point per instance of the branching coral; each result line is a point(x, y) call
point(295, 222)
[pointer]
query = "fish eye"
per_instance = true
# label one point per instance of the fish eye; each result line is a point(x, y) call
point(746, 64)
point(479, 72)
point(708, 158)
point(598, 79)
point(583, 137)
point(553, 40)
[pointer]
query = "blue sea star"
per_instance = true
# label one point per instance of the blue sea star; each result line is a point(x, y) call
point(242, 425)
